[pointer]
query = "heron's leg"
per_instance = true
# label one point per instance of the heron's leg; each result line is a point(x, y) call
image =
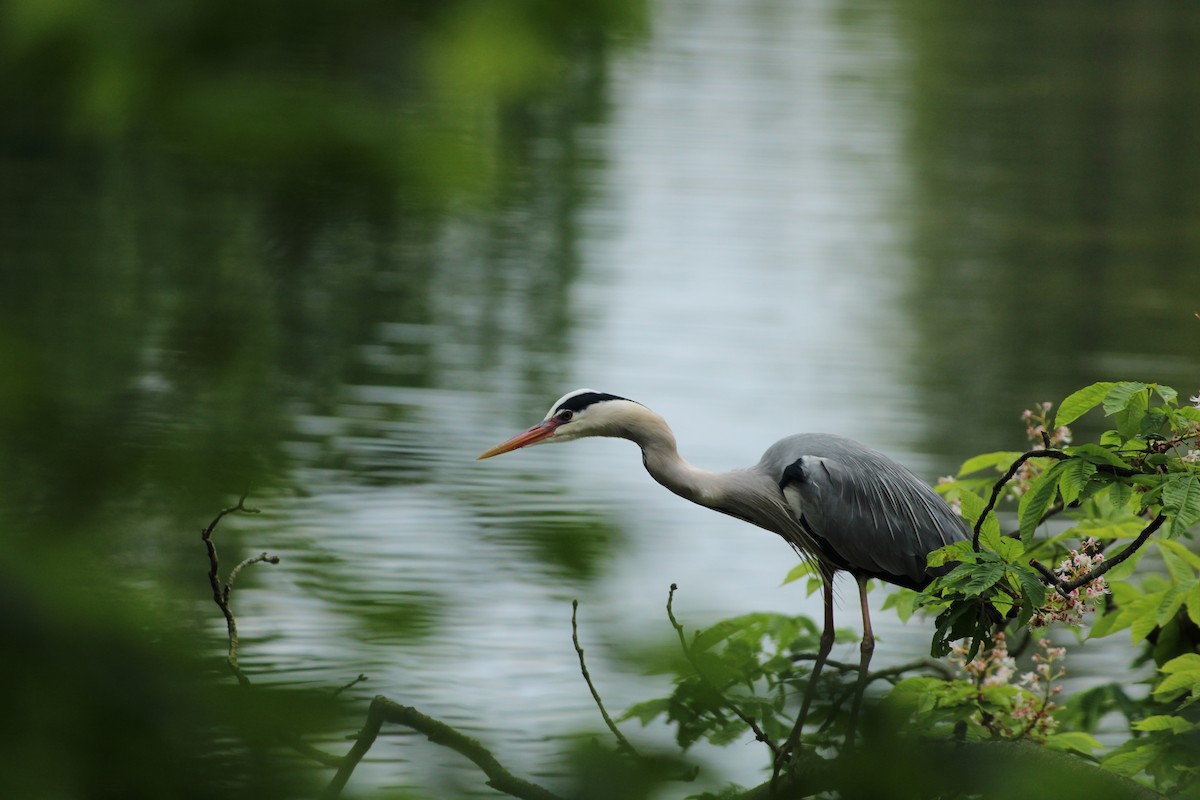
point(865, 650)
point(826, 645)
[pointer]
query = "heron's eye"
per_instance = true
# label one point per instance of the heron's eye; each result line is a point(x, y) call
point(565, 415)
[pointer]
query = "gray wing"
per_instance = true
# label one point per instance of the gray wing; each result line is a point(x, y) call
point(867, 513)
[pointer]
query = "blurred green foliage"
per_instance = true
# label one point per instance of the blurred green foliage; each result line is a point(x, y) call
point(95, 708)
point(389, 100)
point(184, 187)
point(164, 171)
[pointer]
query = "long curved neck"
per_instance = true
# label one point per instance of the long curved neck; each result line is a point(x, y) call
point(748, 494)
point(661, 457)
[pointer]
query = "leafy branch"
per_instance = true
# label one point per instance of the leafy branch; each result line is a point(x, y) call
point(1065, 587)
point(759, 734)
point(1142, 467)
point(998, 489)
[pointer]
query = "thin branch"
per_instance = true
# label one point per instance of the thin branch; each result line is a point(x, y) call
point(221, 594)
point(944, 670)
point(258, 559)
point(612, 726)
point(361, 677)
point(385, 710)
point(999, 487)
point(366, 738)
point(1066, 587)
point(221, 598)
point(759, 734)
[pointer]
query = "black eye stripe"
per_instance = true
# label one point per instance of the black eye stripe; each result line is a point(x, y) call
point(579, 402)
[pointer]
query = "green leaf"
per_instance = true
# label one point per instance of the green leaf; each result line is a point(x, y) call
point(1097, 455)
point(1107, 623)
point(904, 601)
point(646, 712)
point(915, 695)
point(1193, 604)
point(1152, 423)
point(1035, 501)
point(1182, 418)
point(1182, 673)
point(1079, 403)
point(984, 577)
point(808, 567)
point(1124, 528)
point(958, 551)
point(987, 461)
point(1075, 475)
point(1119, 396)
point(1078, 741)
point(1119, 494)
point(1188, 662)
point(1008, 548)
point(1181, 563)
point(1164, 722)
point(1032, 588)
point(1142, 615)
point(1112, 439)
point(1171, 602)
point(1151, 489)
point(1165, 392)
point(993, 541)
point(1129, 417)
point(1185, 681)
point(958, 621)
point(754, 625)
point(972, 507)
point(1181, 499)
point(1131, 758)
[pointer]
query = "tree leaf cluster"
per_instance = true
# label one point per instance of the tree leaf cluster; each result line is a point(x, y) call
point(744, 662)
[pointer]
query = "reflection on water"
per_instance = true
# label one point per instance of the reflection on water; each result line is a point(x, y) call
point(765, 218)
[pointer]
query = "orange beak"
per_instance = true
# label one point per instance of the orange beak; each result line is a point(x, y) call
point(532, 436)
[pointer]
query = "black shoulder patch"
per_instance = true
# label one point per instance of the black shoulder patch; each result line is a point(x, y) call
point(578, 402)
point(793, 473)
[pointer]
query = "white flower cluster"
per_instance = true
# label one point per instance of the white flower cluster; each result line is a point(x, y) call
point(1030, 709)
point(1071, 608)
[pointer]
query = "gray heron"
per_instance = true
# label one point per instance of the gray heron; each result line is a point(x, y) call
point(838, 503)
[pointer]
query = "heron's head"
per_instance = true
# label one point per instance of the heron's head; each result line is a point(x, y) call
point(583, 412)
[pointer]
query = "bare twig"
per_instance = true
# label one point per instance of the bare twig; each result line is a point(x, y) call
point(221, 593)
point(612, 726)
point(759, 734)
point(385, 710)
point(1066, 587)
point(354, 682)
point(258, 559)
